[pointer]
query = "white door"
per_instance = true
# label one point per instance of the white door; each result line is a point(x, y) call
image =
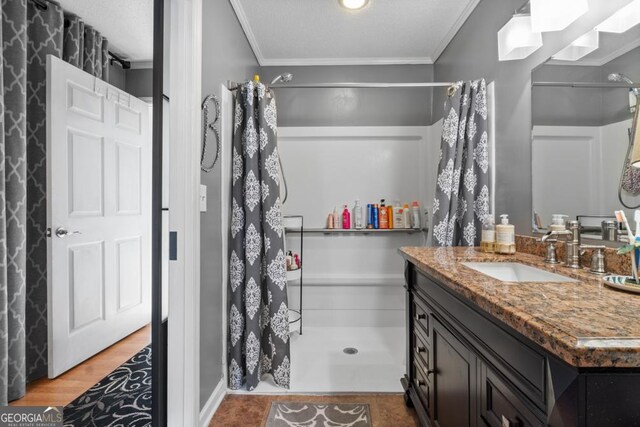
point(99, 215)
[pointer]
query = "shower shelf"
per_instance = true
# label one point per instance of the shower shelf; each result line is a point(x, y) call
point(354, 231)
point(294, 224)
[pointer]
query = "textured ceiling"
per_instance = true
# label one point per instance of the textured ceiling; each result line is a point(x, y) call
point(321, 32)
point(128, 24)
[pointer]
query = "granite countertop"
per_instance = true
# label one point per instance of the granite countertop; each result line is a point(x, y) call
point(584, 323)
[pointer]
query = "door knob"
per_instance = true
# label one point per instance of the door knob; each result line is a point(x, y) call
point(63, 232)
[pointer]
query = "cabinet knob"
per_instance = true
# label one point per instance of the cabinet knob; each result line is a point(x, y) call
point(420, 349)
point(506, 422)
point(421, 383)
point(421, 316)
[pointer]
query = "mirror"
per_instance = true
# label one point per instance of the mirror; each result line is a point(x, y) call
point(583, 104)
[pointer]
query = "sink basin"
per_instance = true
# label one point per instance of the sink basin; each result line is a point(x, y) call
point(516, 272)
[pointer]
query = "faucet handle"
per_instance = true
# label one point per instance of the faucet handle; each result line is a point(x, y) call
point(550, 256)
point(597, 258)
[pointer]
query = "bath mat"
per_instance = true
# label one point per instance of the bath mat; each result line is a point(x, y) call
point(122, 398)
point(293, 414)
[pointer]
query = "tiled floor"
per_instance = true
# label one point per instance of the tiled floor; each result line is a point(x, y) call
point(319, 365)
point(387, 410)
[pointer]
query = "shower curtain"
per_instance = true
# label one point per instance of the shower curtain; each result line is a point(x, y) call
point(258, 340)
point(29, 33)
point(461, 202)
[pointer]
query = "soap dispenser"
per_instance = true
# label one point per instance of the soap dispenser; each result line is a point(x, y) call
point(488, 239)
point(505, 236)
point(558, 222)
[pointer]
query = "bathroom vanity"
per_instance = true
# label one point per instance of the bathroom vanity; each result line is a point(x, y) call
point(487, 352)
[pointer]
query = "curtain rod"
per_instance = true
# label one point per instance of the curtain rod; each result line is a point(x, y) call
point(586, 85)
point(233, 85)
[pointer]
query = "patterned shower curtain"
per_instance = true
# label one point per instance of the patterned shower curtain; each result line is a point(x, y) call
point(29, 33)
point(258, 309)
point(462, 190)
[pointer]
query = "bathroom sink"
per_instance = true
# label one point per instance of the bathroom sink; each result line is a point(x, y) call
point(516, 272)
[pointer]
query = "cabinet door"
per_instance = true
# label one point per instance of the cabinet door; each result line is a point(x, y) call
point(454, 380)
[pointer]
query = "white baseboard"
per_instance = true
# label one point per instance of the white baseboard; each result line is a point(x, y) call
point(213, 403)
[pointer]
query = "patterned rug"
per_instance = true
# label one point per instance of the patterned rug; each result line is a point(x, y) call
point(122, 398)
point(296, 414)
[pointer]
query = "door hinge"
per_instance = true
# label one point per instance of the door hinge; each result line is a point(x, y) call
point(48, 232)
point(173, 246)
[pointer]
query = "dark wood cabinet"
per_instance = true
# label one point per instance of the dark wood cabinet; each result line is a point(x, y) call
point(466, 368)
point(454, 373)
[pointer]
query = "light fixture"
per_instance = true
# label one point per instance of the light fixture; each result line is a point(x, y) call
point(580, 47)
point(622, 20)
point(353, 4)
point(516, 40)
point(556, 15)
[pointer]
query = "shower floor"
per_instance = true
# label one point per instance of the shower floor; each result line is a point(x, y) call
point(319, 365)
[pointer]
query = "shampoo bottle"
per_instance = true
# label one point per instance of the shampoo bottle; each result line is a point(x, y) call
point(376, 218)
point(505, 236)
point(406, 216)
point(383, 215)
point(346, 218)
point(398, 221)
point(390, 217)
point(337, 218)
point(415, 215)
point(358, 216)
point(369, 215)
point(488, 239)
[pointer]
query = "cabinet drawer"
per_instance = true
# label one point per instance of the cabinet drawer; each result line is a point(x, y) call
point(420, 350)
point(501, 407)
point(421, 384)
point(420, 315)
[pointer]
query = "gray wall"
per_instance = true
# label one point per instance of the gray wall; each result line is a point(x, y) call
point(139, 82)
point(473, 53)
point(117, 76)
point(354, 107)
point(226, 55)
point(557, 106)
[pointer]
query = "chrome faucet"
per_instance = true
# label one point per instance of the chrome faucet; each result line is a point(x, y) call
point(572, 246)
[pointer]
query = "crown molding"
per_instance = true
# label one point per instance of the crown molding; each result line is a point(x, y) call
point(344, 61)
point(468, 10)
point(264, 62)
point(246, 27)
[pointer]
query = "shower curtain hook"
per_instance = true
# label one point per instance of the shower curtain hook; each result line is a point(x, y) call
point(451, 90)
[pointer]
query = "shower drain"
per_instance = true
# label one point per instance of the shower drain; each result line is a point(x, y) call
point(350, 350)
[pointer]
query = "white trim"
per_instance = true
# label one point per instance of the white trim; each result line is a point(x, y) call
point(269, 62)
point(471, 6)
point(418, 60)
point(602, 61)
point(246, 27)
point(184, 213)
point(213, 403)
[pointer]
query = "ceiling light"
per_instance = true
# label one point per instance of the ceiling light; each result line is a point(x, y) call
point(516, 40)
point(353, 4)
point(622, 20)
point(556, 15)
point(582, 46)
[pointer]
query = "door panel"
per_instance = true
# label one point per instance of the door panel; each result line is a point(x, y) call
point(99, 191)
point(454, 380)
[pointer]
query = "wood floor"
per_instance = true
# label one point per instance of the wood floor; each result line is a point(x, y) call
point(242, 410)
point(62, 390)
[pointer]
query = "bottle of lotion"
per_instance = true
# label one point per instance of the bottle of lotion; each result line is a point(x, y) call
point(488, 239)
point(346, 218)
point(505, 236)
